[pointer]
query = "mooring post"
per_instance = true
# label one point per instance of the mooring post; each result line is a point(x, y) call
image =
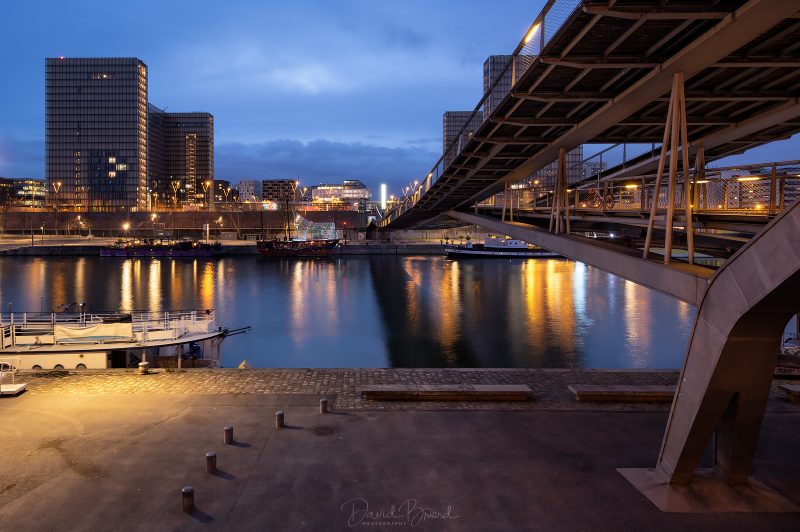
point(323, 406)
point(279, 419)
point(228, 437)
point(187, 499)
point(211, 462)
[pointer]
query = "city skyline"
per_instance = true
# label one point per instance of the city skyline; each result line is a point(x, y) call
point(361, 98)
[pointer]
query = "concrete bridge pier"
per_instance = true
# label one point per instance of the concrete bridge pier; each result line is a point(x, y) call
point(725, 382)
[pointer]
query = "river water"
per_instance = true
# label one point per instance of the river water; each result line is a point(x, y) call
point(381, 311)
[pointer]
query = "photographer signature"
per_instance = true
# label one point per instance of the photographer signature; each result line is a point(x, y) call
point(410, 512)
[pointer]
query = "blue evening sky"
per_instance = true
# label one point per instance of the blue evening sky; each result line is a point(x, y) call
point(321, 89)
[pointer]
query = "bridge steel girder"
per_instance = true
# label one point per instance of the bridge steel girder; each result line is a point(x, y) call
point(682, 281)
point(742, 26)
point(773, 117)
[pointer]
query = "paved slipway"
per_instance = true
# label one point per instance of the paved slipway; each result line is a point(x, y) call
point(110, 450)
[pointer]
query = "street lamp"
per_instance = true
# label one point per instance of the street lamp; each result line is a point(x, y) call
point(206, 184)
point(153, 217)
point(42, 232)
point(56, 188)
point(125, 228)
point(175, 186)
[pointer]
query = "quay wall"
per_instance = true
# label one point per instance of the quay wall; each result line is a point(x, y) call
point(244, 249)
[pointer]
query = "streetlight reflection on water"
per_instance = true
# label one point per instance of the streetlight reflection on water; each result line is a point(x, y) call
point(381, 311)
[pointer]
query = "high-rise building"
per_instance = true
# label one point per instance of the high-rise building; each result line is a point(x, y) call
point(180, 157)
point(96, 133)
point(249, 190)
point(453, 123)
point(494, 68)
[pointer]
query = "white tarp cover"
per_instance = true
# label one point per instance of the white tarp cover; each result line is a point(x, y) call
point(314, 230)
point(103, 330)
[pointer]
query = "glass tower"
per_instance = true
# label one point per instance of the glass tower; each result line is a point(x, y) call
point(96, 133)
point(181, 158)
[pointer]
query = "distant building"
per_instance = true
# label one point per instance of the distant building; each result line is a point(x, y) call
point(249, 191)
point(223, 192)
point(349, 191)
point(592, 168)
point(453, 123)
point(29, 192)
point(6, 192)
point(279, 190)
point(575, 169)
point(180, 157)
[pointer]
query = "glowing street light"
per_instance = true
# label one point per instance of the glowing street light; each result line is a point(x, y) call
point(206, 184)
point(531, 33)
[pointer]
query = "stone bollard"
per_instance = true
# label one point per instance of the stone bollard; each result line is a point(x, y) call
point(228, 435)
point(187, 499)
point(211, 462)
point(323, 406)
point(144, 368)
point(279, 419)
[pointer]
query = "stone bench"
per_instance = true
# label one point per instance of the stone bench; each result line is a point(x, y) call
point(792, 391)
point(623, 393)
point(447, 392)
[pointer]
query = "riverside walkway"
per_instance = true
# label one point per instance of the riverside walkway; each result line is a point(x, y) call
point(550, 386)
point(94, 451)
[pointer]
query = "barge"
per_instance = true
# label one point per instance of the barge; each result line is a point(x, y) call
point(89, 340)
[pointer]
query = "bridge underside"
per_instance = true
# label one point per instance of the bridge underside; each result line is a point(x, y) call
point(605, 78)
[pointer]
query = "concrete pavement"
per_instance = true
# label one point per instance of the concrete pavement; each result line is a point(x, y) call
point(118, 461)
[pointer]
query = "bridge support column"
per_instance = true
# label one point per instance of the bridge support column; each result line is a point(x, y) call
point(675, 130)
point(560, 197)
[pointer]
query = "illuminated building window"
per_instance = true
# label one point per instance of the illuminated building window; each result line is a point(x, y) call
point(112, 160)
point(122, 166)
point(112, 173)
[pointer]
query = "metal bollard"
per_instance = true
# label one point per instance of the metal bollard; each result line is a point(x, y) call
point(144, 368)
point(279, 419)
point(323, 406)
point(228, 435)
point(187, 499)
point(211, 462)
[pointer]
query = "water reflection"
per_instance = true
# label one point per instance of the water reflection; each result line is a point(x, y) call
point(382, 311)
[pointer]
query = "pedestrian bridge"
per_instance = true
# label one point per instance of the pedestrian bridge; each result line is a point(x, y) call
point(702, 80)
point(602, 72)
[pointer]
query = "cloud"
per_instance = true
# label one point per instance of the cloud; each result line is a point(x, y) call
point(323, 161)
point(307, 79)
point(21, 158)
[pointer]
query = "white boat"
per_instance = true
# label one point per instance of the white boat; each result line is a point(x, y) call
point(495, 246)
point(65, 341)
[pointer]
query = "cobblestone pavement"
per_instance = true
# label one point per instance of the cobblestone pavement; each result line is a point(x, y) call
point(549, 385)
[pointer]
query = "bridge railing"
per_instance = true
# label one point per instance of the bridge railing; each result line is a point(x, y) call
point(546, 24)
point(754, 189)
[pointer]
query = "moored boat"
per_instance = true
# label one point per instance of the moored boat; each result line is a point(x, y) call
point(87, 340)
point(161, 248)
point(315, 248)
point(494, 246)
